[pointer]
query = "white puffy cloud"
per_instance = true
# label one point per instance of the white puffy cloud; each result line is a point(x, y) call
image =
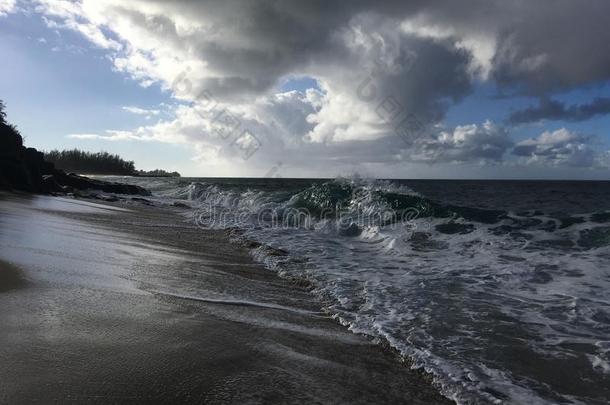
point(558, 148)
point(70, 15)
point(7, 7)
point(469, 143)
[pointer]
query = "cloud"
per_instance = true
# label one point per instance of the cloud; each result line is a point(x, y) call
point(549, 48)
point(84, 136)
point(217, 48)
point(548, 109)
point(112, 135)
point(486, 143)
point(70, 15)
point(558, 148)
point(147, 113)
point(399, 74)
point(7, 7)
point(242, 48)
point(375, 63)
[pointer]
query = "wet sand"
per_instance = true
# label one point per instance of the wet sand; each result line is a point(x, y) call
point(10, 277)
point(107, 304)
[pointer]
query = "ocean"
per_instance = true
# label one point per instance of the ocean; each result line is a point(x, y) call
point(499, 289)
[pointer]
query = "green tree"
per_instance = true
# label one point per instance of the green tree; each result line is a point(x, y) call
point(76, 160)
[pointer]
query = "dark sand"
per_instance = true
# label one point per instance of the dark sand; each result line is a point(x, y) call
point(106, 305)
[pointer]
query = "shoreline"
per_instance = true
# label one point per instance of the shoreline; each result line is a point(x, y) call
point(142, 296)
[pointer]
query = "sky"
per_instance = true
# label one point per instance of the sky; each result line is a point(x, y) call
point(391, 89)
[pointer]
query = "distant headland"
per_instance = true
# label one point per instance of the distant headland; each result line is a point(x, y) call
point(27, 169)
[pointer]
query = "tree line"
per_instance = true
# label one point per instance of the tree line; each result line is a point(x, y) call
point(156, 173)
point(79, 161)
point(75, 160)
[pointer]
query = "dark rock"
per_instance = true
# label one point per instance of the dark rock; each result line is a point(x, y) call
point(85, 183)
point(180, 205)
point(25, 169)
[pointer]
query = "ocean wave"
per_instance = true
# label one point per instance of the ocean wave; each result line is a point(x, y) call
point(499, 305)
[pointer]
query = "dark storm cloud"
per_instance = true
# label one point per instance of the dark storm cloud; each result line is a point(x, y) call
point(419, 57)
point(251, 45)
point(548, 109)
point(554, 46)
point(537, 46)
point(541, 47)
point(255, 43)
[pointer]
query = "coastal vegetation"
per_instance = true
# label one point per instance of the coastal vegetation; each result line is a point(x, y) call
point(79, 161)
point(157, 173)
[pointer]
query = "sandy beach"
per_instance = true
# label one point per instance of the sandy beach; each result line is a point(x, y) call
point(109, 304)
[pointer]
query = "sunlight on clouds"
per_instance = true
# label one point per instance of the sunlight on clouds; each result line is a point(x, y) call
point(112, 135)
point(560, 148)
point(373, 65)
point(7, 7)
point(84, 136)
point(482, 47)
point(468, 143)
point(146, 113)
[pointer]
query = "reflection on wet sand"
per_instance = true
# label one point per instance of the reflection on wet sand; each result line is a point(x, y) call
point(137, 306)
point(11, 277)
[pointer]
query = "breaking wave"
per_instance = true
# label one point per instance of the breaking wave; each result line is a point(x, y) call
point(500, 306)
